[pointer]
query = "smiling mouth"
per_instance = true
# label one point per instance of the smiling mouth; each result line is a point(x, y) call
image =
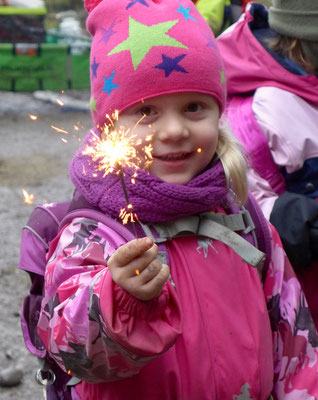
point(174, 156)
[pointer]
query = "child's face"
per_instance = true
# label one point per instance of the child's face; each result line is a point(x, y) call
point(185, 133)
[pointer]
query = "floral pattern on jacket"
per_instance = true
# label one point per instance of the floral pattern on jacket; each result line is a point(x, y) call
point(100, 333)
point(72, 284)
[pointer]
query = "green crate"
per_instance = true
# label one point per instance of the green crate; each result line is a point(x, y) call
point(29, 67)
point(80, 71)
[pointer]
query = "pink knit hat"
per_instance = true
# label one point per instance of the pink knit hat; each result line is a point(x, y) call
point(146, 48)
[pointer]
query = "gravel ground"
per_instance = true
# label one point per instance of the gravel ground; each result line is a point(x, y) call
point(34, 157)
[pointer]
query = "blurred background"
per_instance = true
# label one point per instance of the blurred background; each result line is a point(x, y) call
point(43, 45)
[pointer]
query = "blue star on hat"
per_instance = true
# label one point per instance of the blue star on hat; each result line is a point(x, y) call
point(171, 64)
point(109, 85)
point(94, 67)
point(186, 13)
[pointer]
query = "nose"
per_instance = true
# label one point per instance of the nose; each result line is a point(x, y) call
point(172, 128)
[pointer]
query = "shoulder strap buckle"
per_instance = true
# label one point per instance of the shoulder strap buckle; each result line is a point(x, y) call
point(248, 221)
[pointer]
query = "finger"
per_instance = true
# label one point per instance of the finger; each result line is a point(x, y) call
point(129, 251)
point(154, 287)
point(139, 264)
point(136, 266)
point(149, 272)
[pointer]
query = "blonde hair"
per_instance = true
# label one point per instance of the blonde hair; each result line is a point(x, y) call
point(291, 48)
point(230, 153)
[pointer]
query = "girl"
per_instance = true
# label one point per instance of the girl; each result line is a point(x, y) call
point(271, 64)
point(201, 325)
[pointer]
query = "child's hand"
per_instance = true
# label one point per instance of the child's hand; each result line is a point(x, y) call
point(135, 268)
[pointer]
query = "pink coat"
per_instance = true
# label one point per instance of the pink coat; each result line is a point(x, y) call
point(218, 334)
point(273, 111)
point(282, 112)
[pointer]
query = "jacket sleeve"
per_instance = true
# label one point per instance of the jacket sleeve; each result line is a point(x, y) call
point(295, 217)
point(295, 340)
point(93, 328)
point(262, 191)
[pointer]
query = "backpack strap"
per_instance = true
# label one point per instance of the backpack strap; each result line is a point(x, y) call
point(249, 253)
point(248, 220)
point(236, 222)
point(40, 229)
point(35, 233)
point(214, 226)
point(262, 232)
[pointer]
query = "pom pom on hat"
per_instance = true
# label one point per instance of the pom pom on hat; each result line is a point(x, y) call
point(147, 48)
point(91, 4)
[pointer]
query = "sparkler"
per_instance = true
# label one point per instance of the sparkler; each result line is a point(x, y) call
point(60, 130)
point(116, 149)
point(60, 102)
point(65, 132)
point(28, 198)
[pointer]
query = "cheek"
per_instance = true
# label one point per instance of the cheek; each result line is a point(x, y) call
point(208, 146)
point(209, 140)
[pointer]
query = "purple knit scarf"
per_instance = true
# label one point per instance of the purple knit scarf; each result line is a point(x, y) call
point(153, 199)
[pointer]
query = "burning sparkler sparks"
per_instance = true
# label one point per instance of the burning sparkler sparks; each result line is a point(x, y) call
point(111, 150)
point(126, 216)
point(65, 132)
point(60, 130)
point(60, 102)
point(33, 117)
point(28, 198)
point(116, 149)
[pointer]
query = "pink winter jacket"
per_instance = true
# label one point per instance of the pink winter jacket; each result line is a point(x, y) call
point(218, 334)
point(282, 111)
